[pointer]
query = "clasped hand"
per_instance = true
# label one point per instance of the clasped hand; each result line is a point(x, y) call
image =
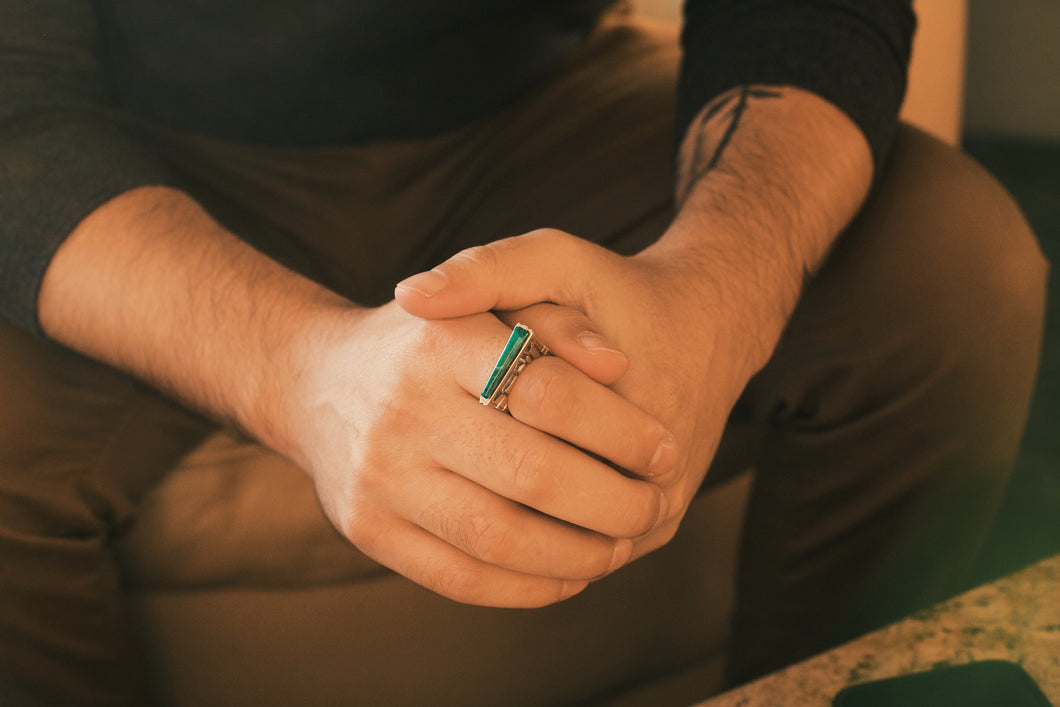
point(482, 507)
point(692, 338)
point(605, 447)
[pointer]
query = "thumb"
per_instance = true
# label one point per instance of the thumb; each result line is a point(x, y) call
point(504, 275)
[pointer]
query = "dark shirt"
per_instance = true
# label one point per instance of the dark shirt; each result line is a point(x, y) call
point(317, 72)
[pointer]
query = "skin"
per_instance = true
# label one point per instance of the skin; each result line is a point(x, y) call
point(768, 176)
point(606, 442)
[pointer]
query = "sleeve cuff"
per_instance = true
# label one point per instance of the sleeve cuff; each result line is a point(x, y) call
point(51, 177)
point(853, 54)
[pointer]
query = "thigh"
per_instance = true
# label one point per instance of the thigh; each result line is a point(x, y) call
point(79, 445)
point(891, 413)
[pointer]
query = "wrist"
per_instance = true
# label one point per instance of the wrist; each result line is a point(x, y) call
point(292, 356)
point(767, 178)
point(746, 299)
point(151, 284)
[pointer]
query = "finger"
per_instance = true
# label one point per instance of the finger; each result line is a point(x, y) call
point(542, 266)
point(506, 534)
point(435, 564)
point(552, 397)
point(537, 470)
point(573, 337)
point(524, 464)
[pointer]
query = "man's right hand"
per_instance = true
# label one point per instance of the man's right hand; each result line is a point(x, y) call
point(462, 499)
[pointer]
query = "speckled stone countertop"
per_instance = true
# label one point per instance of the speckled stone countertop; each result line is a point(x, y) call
point(1016, 618)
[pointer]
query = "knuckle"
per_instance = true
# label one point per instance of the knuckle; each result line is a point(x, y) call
point(560, 242)
point(481, 536)
point(426, 337)
point(362, 528)
point(479, 256)
point(399, 405)
point(554, 235)
point(526, 474)
point(358, 506)
point(459, 584)
point(547, 390)
point(381, 449)
point(642, 512)
point(484, 537)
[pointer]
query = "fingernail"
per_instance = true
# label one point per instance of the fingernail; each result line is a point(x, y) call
point(425, 284)
point(591, 341)
point(664, 510)
point(621, 554)
point(664, 458)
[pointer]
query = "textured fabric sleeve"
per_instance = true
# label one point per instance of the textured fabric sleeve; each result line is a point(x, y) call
point(853, 53)
point(61, 152)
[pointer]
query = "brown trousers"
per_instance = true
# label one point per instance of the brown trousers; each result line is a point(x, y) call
point(882, 430)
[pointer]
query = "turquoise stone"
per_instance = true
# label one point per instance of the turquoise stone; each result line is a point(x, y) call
point(516, 342)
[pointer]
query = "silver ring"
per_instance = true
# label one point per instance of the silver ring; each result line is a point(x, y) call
point(521, 349)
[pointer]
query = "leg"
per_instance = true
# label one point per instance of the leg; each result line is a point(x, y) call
point(891, 412)
point(79, 444)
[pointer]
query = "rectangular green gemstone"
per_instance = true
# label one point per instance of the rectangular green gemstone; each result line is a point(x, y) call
point(520, 335)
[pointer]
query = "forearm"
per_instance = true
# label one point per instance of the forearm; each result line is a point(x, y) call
point(763, 193)
point(767, 178)
point(149, 283)
point(377, 406)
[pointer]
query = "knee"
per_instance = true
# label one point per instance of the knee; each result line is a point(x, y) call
point(945, 282)
point(976, 279)
point(1005, 267)
point(963, 248)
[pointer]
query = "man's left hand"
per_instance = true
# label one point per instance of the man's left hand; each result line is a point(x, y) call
point(690, 355)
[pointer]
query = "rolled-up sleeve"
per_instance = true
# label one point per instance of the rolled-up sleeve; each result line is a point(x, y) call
point(853, 53)
point(63, 151)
